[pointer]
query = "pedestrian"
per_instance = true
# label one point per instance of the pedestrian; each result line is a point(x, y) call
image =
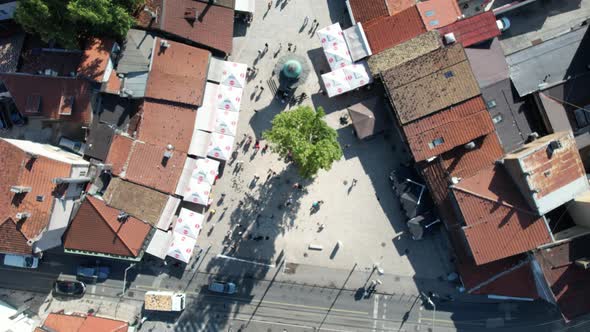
point(269, 5)
point(261, 89)
point(354, 182)
point(265, 47)
point(306, 20)
point(294, 48)
point(289, 202)
point(314, 21)
point(257, 145)
point(347, 146)
point(265, 148)
point(268, 176)
point(289, 48)
point(280, 47)
point(255, 111)
point(212, 212)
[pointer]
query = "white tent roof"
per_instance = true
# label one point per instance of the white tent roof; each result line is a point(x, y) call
point(182, 247)
point(220, 146)
point(197, 192)
point(346, 79)
point(357, 42)
point(229, 98)
point(206, 170)
point(226, 122)
point(189, 223)
point(206, 113)
point(168, 213)
point(233, 74)
point(199, 143)
point(244, 6)
point(335, 48)
point(160, 244)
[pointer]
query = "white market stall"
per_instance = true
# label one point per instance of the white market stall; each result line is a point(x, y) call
point(197, 192)
point(199, 143)
point(346, 79)
point(206, 112)
point(226, 122)
point(229, 98)
point(182, 247)
point(233, 74)
point(220, 146)
point(206, 170)
point(334, 45)
point(189, 223)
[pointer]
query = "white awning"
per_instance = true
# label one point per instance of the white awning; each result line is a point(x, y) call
point(346, 79)
point(335, 48)
point(215, 69)
point(357, 42)
point(160, 244)
point(244, 6)
point(189, 223)
point(196, 180)
point(229, 98)
point(220, 146)
point(226, 122)
point(199, 143)
point(233, 74)
point(206, 170)
point(182, 247)
point(168, 213)
point(206, 113)
point(197, 192)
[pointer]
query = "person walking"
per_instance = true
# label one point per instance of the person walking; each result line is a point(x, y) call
point(269, 5)
point(265, 47)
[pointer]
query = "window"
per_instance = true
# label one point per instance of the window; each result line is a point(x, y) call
point(581, 120)
point(82, 173)
point(33, 104)
point(497, 118)
point(449, 74)
point(434, 22)
point(491, 103)
point(40, 198)
point(429, 13)
point(436, 142)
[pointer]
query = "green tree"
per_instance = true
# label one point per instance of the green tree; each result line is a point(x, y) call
point(303, 133)
point(67, 21)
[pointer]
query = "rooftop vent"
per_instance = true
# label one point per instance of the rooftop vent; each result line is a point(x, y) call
point(20, 189)
point(470, 145)
point(168, 152)
point(555, 145)
point(190, 14)
point(22, 215)
point(122, 217)
point(455, 180)
point(531, 137)
point(450, 38)
point(164, 44)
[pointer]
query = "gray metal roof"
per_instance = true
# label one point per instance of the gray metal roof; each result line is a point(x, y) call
point(357, 42)
point(137, 52)
point(488, 62)
point(549, 63)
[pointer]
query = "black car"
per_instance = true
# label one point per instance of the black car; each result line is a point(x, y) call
point(69, 288)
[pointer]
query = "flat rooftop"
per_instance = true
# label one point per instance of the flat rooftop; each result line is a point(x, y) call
point(540, 21)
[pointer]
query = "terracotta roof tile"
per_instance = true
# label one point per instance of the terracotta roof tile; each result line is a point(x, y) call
point(95, 228)
point(366, 10)
point(498, 223)
point(12, 240)
point(388, 31)
point(474, 29)
point(519, 282)
point(42, 95)
point(396, 6)
point(429, 83)
point(568, 282)
point(145, 164)
point(20, 170)
point(83, 323)
point(438, 13)
point(95, 59)
point(213, 28)
point(178, 73)
point(35, 61)
point(455, 126)
point(162, 124)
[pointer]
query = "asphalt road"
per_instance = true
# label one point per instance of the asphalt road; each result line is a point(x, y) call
point(262, 304)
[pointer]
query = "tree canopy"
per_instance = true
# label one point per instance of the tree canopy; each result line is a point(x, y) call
point(66, 21)
point(304, 134)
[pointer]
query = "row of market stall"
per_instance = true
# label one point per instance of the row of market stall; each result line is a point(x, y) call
point(343, 50)
point(212, 143)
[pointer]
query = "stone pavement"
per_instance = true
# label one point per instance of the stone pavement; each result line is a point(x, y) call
point(253, 223)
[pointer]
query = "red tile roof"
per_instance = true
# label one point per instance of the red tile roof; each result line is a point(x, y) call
point(95, 59)
point(568, 282)
point(178, 73)
point(366, 10)
point(19, 169)
point(498, 222)
point(438, 13)
point(213, 27)
point(95, 228)
point(144, 163)
point(83, 323)
point(455, 125)
point(11, 239)
point(162, 124)
point(474, 29)
point(45, 94)
point(396, 6)
point(385, 32)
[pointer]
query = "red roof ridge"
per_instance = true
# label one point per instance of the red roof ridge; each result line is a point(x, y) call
point(91, 201)
point(504, 203)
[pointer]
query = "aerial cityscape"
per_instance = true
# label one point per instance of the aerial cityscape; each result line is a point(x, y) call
point(294, 165)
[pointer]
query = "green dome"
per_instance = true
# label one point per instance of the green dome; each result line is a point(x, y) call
point(292, 69)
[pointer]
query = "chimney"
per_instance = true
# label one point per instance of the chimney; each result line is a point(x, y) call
point(122, 217)
point(168, 152)
point(164, 44)
point(22, 215)
point(20, 189)
point(469, 146)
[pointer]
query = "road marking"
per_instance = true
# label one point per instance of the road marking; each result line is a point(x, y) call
point(286, 324)
point(93, 289)
point(317, 308)
point(375, 311)
point(244, 261)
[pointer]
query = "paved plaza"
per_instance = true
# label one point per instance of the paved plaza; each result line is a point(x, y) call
point(253, 222)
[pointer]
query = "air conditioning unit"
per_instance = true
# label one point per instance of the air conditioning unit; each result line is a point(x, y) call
point(583, 263)
point(450, 38)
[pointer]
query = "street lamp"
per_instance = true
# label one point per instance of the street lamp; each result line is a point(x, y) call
point(125, 278)
point(433, 312)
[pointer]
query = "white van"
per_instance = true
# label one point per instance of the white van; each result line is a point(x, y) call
point(27, 262)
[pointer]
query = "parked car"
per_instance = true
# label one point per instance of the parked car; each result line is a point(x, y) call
point(94, 272)
point(69, 288)
point(27, 262)
point(503, 23)
point(222, 287)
